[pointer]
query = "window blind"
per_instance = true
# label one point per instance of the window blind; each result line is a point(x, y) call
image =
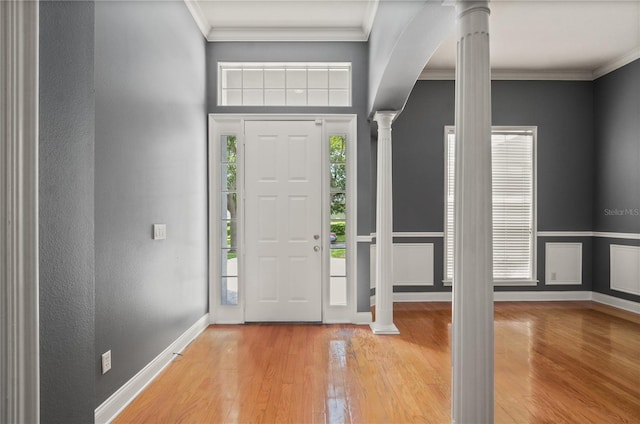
point(512, 161)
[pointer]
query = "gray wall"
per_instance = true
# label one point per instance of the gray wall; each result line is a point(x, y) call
point(150, 167)
point(357, 54)
point(563, 113)
point(67, 359)
point(617, 164)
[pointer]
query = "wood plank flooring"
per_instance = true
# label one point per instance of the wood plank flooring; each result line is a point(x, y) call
point(555, 362)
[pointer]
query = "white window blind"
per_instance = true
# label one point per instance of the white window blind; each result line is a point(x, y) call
point(512, 161)
point(284, 84)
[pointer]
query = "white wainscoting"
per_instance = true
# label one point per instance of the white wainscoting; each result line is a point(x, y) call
point(563, 263)
point(412, 264)
point(625, 268)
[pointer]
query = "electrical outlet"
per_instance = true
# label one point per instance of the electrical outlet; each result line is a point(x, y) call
point(159, 231)
point(106, 361)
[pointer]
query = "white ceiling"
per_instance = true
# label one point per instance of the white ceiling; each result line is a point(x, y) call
point(574, 39)
point(284, 20)
point(563, 39)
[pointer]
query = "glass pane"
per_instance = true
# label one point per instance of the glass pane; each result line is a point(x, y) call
point(338, 291)
point(252, 78)
point(252, 97)
point(296, 78)
point(319, 78)
point(338, 205)
point(339, 78)
point(229, 234)
point(228, 173)
point(274, 78)
point(232, 78)
point(297, 97)
point(318, 98)
point(228, 148)
point(229, 206)
point(229, 291)
point(337, 149)
point(231, 97)
point(228, 263)
point(274, 98)
point(338, 177)
point(338, 238)
point(339, 98)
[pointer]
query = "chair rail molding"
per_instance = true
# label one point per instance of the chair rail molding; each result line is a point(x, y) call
point(19, 330)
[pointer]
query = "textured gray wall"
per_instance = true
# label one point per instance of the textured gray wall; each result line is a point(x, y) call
point(618, 150)
point(151, 167)
point(357, 54)
point(67, 359)
point(563, 113)
point(617, 204)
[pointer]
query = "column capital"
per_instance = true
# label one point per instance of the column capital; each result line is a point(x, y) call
point(466, 6)
point(384, 118)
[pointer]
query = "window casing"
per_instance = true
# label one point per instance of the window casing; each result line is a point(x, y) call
point(284, 84)
point(514, 204)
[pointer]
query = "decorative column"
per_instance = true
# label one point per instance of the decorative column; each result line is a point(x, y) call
point(383, 323)
point(19, 301)
point(472, 346)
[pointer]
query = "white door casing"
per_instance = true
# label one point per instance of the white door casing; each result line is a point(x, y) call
point(222, 126)
point(283, 221)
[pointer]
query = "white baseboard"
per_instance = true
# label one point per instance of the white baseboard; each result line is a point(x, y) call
point(116, 403)
point(541, 296)
point(519, 296)
point(616, 302)
point(362, 318)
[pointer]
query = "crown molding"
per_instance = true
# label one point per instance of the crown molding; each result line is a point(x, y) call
point(512, 75)
point(198, 16)
point(288, 34)
point(617, 63)
point(370, 16)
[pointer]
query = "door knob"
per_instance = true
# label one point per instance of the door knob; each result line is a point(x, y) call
point(316, 236)
point(316, 248)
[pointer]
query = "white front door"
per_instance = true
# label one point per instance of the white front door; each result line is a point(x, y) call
point(283, 221)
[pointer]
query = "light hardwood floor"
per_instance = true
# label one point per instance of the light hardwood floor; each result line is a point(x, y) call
point(555, 362)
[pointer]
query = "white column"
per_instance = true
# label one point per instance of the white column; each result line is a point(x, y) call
point(19, 306)
point(472, 347)
point(383, 323)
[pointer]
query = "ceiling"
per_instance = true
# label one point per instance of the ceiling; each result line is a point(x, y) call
point(574, 39)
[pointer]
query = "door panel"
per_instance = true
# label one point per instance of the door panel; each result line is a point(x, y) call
point(282, 216)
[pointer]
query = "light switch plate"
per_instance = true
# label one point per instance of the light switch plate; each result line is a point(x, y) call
point(159, 231)
point(106, 361)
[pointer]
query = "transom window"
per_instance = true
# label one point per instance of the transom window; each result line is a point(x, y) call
point(284, 84)
point(513, 191)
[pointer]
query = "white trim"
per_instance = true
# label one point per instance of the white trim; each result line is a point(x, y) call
point(118, 401)
point(565, 234)
point(541, 296)
point(548, 257)
point(414, 234)
point(362, 318)
point(198, 16)
point(370, 16)
point(513, 75)
point(616, 302)
point(626, 236)
point(233, 124)
point(364, 239)
point(511, 296)
point(287, 34)
point(19, 301)
point(617, 63)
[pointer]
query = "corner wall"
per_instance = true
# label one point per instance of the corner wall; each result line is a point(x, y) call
point(66, 205)
point(563, 113)
point(617, 165)
point(150, 167)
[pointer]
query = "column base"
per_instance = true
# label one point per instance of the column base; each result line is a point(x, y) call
point(378, 328)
